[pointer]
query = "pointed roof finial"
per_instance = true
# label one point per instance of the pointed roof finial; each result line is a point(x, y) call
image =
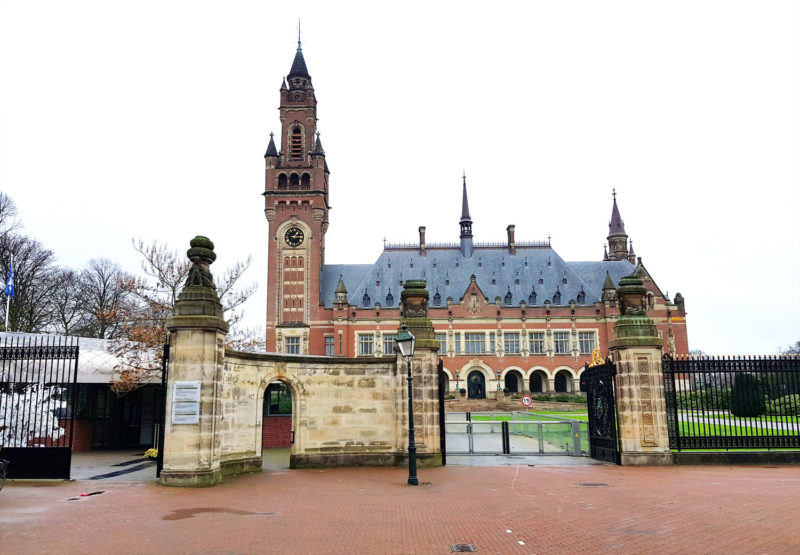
point(614, 193)
point(299, 46)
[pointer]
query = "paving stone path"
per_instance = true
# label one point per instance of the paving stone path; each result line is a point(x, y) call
point(502, 509)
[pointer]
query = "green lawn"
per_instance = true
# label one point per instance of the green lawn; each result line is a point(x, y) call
point(689, 429)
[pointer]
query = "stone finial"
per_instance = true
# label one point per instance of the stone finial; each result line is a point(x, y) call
point(198, 304)
point(414, 299)
point(202, 256)
point(634, 327)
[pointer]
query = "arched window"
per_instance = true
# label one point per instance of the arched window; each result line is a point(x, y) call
point(296, 144)
point(283, 182)
point(306, 182)
point(561, 382)
point(300, 262)
point(532, 298)
point(286, 262)
point(294, 181)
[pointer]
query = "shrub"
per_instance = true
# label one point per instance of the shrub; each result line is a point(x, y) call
point(746, 397)
point(710, 399)
point(506, 390)
point(788, 405)
point(462, 391)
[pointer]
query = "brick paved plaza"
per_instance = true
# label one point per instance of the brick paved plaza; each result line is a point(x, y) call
point(552, 509)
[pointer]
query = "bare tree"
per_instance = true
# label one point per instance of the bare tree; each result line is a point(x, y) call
point(66, 314)
point(792, 349)
point(154, 297)
point(105, 298)
point(34, 271)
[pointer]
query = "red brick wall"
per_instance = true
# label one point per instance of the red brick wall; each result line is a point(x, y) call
point(276, 431)
point(81, 442)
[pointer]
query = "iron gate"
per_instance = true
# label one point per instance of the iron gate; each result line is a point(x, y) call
point(38, 377)
point(732, 402)
point(602, 407)
point(442, 434)
point(162, 414)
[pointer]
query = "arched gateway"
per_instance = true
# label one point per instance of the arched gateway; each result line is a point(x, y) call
point(344, 411)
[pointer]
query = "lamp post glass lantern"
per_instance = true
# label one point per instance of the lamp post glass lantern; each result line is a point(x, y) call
point(405, 343)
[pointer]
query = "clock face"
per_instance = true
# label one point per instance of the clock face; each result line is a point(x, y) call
point(294, 237)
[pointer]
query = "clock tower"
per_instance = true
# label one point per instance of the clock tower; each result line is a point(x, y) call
point(296, 207)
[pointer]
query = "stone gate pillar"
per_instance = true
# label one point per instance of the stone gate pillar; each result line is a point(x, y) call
point(197, 350)
point(641, 409)
point(425, 370)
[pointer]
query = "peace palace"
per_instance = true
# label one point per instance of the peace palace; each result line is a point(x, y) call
point(512, 315)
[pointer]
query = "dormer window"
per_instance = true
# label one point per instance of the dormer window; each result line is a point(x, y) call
point(582, 296)
point(507, 299)
point(389, 298)
point(557, 297)
point(532, 298)
point(437, 299)
point(365, 300)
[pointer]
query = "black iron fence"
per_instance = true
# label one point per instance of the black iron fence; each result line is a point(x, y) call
point(733, 403)
point(37, 399)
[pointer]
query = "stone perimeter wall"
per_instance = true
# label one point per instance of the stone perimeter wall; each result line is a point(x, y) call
point(345, 411)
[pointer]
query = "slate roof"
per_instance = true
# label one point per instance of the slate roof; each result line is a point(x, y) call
point(616, 226)
point(299, 68)
point(487, 263)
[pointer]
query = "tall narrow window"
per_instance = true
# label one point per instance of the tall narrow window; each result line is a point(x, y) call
point(511, 342)
point(388, 344)
point(293, 345)
point(365, 343)
point(561, 342)
point(282, 181)
point(329, 347)
point(586, 342)
point(442, 339)
point(536, 340)
point(305, 182)
point(296, 146)
point(474, 343)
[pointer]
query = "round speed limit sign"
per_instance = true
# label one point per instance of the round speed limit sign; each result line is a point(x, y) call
point(527, 400)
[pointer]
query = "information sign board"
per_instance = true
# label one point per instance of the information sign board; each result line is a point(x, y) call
point(186, 402)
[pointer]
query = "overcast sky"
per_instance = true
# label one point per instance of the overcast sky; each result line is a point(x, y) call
point(150, 119)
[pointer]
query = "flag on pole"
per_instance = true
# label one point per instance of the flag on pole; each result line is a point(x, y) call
point(9, 290)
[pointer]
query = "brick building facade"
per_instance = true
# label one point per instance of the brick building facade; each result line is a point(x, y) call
point(513, 315)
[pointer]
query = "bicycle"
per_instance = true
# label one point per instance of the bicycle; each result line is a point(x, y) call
point(3, 472)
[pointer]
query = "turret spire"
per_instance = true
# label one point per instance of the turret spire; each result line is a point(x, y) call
point(616, 226)
point(466, 222)
point(299, 77)
point(617, 238)
point(271, 149)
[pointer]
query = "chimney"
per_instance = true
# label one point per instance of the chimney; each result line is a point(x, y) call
point(512, 246)
point(422, 240)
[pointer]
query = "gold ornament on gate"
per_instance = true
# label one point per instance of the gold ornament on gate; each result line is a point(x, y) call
point(597, 360)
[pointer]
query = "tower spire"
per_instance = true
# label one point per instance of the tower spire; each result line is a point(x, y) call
point(299, 77)
point(617, 237)
point(466, 222)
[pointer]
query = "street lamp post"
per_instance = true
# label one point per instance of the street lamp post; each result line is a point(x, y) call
point(405, 343)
